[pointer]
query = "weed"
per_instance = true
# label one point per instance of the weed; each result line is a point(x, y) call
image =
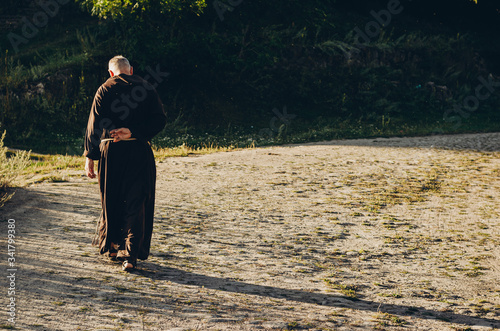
point(347, 290)
point(10, 170)
point(386, 319)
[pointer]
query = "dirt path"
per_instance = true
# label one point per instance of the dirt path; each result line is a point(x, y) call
point(388, 234)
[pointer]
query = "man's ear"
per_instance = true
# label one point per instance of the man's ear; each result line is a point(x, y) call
point(111, 73)
point(131, 70)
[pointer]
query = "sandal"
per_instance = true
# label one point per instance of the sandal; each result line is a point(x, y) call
point(113, 252)
point(128, 266)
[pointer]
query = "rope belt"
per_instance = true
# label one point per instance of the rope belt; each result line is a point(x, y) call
point(112, 139)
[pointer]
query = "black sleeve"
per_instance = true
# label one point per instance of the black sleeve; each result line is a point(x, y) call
point(93, 133)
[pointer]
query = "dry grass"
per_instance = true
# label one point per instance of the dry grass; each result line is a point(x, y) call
point(46, 164)
point(183, 150)
point(43, 167)
point(10, 169)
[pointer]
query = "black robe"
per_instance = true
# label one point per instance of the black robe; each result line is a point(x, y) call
point(126, 171)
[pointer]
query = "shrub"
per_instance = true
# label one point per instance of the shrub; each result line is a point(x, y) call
point(10, 169)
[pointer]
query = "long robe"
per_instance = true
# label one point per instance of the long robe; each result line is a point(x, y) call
point(126, 171)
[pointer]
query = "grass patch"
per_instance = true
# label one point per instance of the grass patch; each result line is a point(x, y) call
point(386, 319)
point(48, 164)
point(475, 271)
point(185, 150)
point(22, 166)
point(381, 190)
point(11, 167)
point(349, 291)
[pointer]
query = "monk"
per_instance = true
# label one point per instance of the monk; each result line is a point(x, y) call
point(126, 114)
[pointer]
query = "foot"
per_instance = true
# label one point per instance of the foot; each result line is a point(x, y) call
point(128, 266)
point(113, 252)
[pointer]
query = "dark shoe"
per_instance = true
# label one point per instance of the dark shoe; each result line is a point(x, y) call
point(113, 252)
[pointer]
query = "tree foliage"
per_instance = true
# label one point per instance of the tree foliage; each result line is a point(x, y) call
point(232, 67)
point(142, 9)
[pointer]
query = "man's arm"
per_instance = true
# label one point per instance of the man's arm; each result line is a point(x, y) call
point(89, 168)
point(94, 130)
point(120, 134)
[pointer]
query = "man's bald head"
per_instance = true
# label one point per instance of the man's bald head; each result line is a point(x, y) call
point(119, 65)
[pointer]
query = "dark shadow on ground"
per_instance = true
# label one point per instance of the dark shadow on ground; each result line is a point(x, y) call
point(38, 197)
point(157, 272)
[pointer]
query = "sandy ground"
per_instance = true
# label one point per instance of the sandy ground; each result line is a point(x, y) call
point(387, 234)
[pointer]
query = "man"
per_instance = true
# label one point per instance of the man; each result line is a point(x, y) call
point(126, 114)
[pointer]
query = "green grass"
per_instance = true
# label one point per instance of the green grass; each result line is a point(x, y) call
point(23, 168)
point(386, 319)
point(349, 291)
point(11, 168)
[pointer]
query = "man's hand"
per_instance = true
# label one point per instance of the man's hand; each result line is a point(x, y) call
point(89, 168)
point(121, 133)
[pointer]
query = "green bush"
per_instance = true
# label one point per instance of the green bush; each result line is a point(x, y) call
point(227, 76)
point(10, 169)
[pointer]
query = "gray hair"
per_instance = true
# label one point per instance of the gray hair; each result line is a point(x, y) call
point(119, 64)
